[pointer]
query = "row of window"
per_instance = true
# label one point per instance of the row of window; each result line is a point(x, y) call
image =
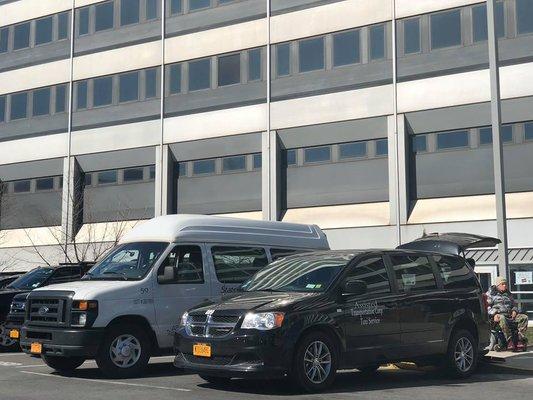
point(45, 184)
point(119, 176)
point(35, 32)
point(223, 165)
point(34, 103)
point(186, 6)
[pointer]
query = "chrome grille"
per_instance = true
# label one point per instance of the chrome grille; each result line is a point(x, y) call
point(209, 325)
point(46, 311)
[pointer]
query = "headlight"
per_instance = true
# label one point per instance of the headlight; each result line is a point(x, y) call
point(79, 319)
point(18, 306)
point(84, 313)
point(184, 318)
point(263, 321)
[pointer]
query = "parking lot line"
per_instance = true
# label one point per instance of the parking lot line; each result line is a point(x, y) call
point(110, 382)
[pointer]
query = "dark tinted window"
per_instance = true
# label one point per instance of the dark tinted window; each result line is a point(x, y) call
point(182, 169)
point(175, 6)
point(43, 30)
point(419, 143)
point(106, 177)
point(382, 147)
point(258, 160)
point(4, 39)
point(187, 261)
point(104, 15)
point(524, 12)
point(373, 272)
point(485, 134)
point(62, 275)
point(22, 36)
point(129, 86)
point(61, 97)
point(150, 83)
point(454, 272)
point(21, 186)
point(198, 4)
point(133, 174)
point(346, 48)
point(41, 102)
point(83, 23)
point(446, 29)
point(44, 184)
point(87, 180)
point(413, 272)
point(81, 94)
point(19, 105)
point(229, 69)
point(276, 254)
point(200, 74)
point(528, 130)
point(203, 167)
point(175, 78)
point(311, 53)
point(411, 35)
point(352, 150)
point(237, 264)
point(152, 171)
point(129, 12)
point(103, 91)
point(317, 154)
point(479, 18)
point(236, 163)
point(2, 108)
point(151, 9)
point(290, 157)
point(449, 140)
point(283, 56)
point(62, 25)
point(377, 42)
point(254, 65)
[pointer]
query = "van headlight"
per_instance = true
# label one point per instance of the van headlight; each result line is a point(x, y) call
point(263, 321)
point(84, 313)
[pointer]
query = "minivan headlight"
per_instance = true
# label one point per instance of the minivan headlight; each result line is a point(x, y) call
point(263, 321)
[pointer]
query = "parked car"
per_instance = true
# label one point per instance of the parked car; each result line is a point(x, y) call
point(128, 305)
point(38, 277)
point(308, 315)
point(6, 280)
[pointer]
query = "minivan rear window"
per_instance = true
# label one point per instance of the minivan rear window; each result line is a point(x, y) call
point(413, 272)
point(237, 264)
point(454, 272)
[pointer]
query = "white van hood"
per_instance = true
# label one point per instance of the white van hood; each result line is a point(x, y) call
point(95, 290)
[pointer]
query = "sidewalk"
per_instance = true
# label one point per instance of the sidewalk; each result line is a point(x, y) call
point(522, 361)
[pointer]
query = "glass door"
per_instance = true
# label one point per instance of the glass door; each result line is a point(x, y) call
point(487, 275)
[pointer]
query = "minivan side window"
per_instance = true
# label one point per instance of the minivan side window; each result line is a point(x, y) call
point(373, 272)
point(188, 263)
point(413, 272)
point(63, 275)
point(276, 254)
point(237, 264)
point(454, 272)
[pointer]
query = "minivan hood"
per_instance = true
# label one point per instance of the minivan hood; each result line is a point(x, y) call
point(93, 289)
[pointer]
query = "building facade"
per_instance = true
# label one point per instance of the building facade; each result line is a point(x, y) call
point(370, 118)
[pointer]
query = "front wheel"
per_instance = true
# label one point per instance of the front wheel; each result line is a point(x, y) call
point(461, 359)
point(6, 343)
point(63, 365)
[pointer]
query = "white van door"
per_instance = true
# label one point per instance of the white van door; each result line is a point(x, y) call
point(190, 287)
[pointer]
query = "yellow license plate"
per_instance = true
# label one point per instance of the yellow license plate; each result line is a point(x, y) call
point(201, 350)
point(14, 334)
point(36, 348)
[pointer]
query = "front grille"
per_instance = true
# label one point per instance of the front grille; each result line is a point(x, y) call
point(46, 311)
point(211, 325)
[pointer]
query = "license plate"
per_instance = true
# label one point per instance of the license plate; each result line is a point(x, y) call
point(14, 334)
point(201, 350)
point(36, 348)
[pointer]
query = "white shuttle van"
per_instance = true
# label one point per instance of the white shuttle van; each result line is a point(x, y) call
point(127, 307)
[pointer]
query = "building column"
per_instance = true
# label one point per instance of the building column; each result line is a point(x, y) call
point(164, 181)
point(270, 174)
point(72, 199)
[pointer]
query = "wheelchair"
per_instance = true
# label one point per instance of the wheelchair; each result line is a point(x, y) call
point(498, 342)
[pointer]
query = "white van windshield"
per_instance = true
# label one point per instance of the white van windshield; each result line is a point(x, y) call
point(130, 261)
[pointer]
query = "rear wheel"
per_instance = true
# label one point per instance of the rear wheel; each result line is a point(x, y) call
point(215, 380)
point(63, 365)
point(461, 359)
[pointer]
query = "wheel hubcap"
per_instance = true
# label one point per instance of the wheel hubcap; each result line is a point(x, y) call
point(125, 351)
point(5, 340)
point(317, 362)
point(464, 354)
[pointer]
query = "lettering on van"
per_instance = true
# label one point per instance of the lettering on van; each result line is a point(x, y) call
point(228, 289)
point(369, 312)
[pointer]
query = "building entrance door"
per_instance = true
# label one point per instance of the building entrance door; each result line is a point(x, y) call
point(487, 275)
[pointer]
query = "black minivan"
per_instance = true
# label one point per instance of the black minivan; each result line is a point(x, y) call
point(306, 316)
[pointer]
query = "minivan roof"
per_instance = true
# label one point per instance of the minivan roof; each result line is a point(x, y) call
point(205, 228)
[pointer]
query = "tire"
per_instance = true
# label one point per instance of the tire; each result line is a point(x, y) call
point(63, 365)
point(125, 351)
point(462, 356)
point(215, 380)
point(315, 376)
point(6, 343)
point(369, 369)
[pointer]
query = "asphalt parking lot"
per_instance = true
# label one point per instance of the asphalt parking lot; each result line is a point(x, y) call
point(23, 377)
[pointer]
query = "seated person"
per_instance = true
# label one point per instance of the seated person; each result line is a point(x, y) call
point(502, 310)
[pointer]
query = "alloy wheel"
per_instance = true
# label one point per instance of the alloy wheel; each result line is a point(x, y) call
point(317, 362)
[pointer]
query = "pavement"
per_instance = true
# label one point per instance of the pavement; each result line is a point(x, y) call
point(24, 377)
point(520, 361)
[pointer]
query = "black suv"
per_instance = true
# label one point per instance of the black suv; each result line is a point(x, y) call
point(306, 316)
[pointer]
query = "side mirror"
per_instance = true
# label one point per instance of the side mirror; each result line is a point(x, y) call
point(169, 275)
point(471, 262)
point(354, 288)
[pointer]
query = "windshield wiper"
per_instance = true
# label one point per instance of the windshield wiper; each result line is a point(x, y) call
point(115, 273)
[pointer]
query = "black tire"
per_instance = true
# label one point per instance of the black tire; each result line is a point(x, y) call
point(6, 343)
point(463, 366)
point(215, 380)
point(63, 365)
point(369, 369)
point(138, 364)
point(299, 367)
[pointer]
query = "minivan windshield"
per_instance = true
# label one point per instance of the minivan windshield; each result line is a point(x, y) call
point(129, 261)
point(308, 273)
point(32, 279)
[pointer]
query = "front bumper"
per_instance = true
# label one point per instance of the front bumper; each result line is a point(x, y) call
point(64, 342)
point(238, 355)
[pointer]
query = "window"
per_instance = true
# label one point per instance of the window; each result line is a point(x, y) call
point(524, 12)
point(377, 42)
point(81, 95)
point(19, 106)
point(200, 74)
point(104, 15)
point(87, 179)
point(479, 20)
point(61, 97)
point(198, 4)
point(317, 154)
point(237, 264)
point(41, 102)
point(21, 186)
point(4, 39)
point(43, 30)
point(44, 184)
point(187, 262)
point(63, 275)
point(352, 150)
point(107, 177)
point(276, 254)
point(419, 143)
point(485, 134)
point(150, 83)
point(203, 167)
point(411, 35)
point(182, 169)
point(60, 183)
point(2, 108)
point(129, 12)
point(413, 272)
point(373, 272)
point(528, 130)
point(254, 65)
point(83, 24)
point(283, 59)
point(445, 29)
point(450, 140)
point(175, 7)
point(290, 157)
point(129, 86)
point(22, 36)
point(454, 272)
point(62, 25)
point(237, 163)
point(133, 174)
point(103, 91)
point(151, 9)
point(258, 160)
point(382, 147)
point(229, 70)
point(152, 172)
point(311, 54)
point(346, 48)
point(175, 78)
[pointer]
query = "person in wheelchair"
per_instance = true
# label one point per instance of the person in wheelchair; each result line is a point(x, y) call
point(504, 315)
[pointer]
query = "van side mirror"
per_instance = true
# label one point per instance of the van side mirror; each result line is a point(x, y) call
point(471, 262)
point(170, 274)
point(355, 288)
